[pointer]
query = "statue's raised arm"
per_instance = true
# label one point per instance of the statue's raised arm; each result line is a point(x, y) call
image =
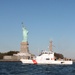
point(25, 34)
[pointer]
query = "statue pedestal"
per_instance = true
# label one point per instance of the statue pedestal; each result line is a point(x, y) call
point(24, 47)
point(24, 52)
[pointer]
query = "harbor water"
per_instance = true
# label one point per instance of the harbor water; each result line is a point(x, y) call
point(17, 68)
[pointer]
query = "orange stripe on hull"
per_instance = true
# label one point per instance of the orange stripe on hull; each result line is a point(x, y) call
point(34, 61)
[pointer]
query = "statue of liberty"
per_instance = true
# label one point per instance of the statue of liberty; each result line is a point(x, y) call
point(25, 34)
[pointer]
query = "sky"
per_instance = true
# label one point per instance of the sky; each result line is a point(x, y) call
point(44, 19)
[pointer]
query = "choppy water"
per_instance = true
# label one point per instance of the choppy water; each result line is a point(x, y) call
point(17, 68)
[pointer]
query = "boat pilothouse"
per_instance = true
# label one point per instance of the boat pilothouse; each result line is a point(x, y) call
point(46, 57)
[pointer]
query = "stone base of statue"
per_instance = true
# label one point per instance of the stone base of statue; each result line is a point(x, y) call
point(24, 52)
point(24, 47)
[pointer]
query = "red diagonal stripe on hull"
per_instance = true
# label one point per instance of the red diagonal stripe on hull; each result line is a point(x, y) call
point(34, 61)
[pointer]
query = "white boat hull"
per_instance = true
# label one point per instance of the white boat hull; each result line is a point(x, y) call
point(24, 61)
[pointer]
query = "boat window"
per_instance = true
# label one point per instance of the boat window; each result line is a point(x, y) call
point(46, 53)
point(40, 54)
point(47, 59)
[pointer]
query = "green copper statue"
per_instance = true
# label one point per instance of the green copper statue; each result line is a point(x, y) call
point(25, 34)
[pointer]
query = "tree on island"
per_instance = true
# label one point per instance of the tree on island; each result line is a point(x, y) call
point(57, 56)
point(10, 53)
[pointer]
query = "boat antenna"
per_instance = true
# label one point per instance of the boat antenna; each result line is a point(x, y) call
point(50, 47)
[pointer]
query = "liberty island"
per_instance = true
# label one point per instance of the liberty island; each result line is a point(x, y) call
point(24, 48)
